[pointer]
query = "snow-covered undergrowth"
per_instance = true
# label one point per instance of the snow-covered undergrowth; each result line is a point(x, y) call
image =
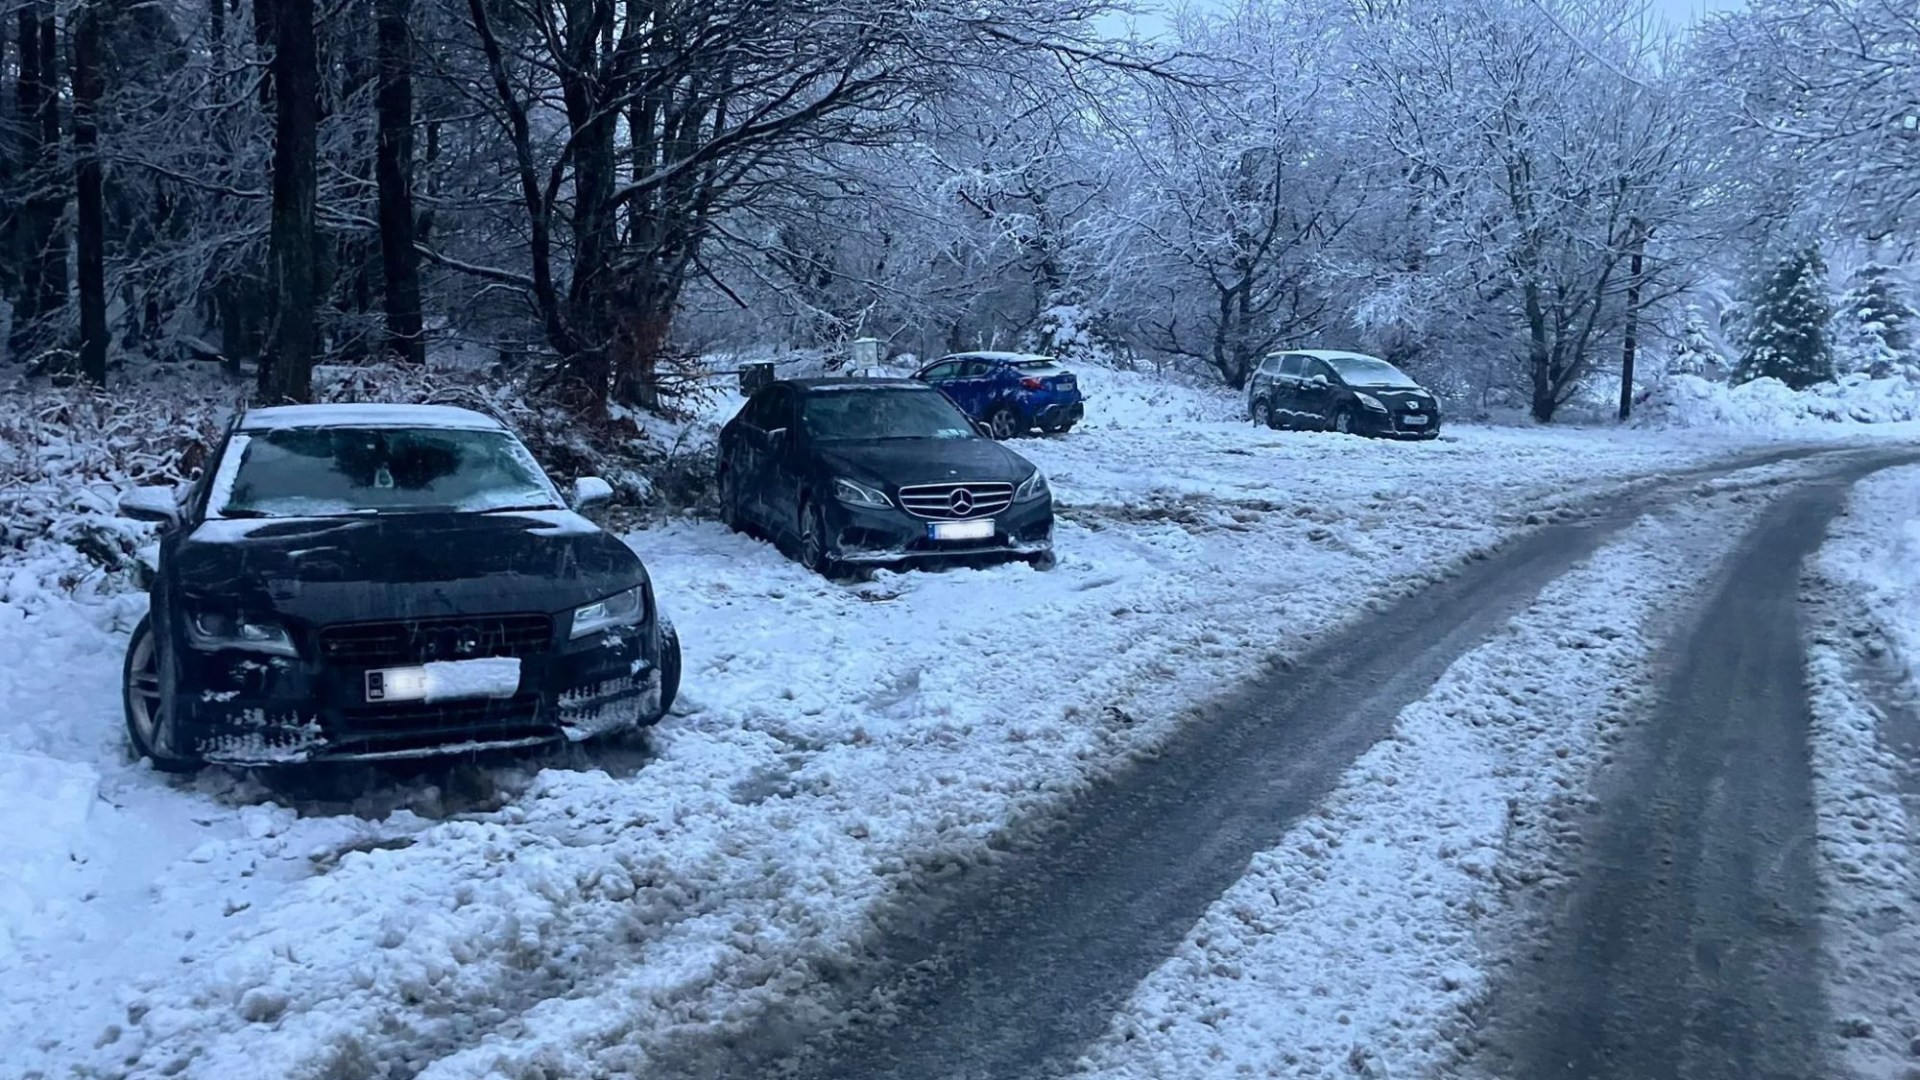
point(1864, 674)
point(834, 743)
point(1354, 948)
point(1765, 405)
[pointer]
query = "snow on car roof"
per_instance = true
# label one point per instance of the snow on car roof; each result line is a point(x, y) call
point(1010, 357)
point(277, 417)
point(1325, 354)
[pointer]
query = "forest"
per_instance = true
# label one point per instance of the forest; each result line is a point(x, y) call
point(1506, 197)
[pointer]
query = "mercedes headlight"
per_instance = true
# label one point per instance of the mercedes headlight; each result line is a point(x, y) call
point(623, 608)
point(1033, 487)
point(212, 631)
point(1371, 402)
point(854, 493)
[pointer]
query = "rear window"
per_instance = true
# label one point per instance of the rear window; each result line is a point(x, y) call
point(1039, 367)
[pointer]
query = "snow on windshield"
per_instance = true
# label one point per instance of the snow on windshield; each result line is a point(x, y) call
point(333, 471)
point(1360, 371)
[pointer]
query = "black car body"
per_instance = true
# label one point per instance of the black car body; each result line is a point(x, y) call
point(875, 471)
point(1340, 391)
point(372, 582)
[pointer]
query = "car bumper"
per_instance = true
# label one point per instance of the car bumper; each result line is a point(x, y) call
point(1059, 414)
point(1397, 425)
point(864, 536)
point(252, 710)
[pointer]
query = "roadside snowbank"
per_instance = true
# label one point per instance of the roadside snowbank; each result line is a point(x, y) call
point(833, 743)
point(1863, 662)
point(1763, 405)
point(1352, 948)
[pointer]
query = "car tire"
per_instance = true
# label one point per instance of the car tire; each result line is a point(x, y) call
point(813, 540)
point(1003, 423)
point(1262, 414)
point(1342, 420)
point(729, 502)
point(1044, 561)
point(144, 703)
point(669, 667)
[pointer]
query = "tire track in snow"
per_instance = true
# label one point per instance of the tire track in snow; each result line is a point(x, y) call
point(1690, 945)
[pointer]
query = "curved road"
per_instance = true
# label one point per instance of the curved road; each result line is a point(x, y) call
point(1686, 950)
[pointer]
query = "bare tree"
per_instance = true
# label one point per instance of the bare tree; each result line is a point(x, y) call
point(90, 199)
point(286, 373)
point(393, 104)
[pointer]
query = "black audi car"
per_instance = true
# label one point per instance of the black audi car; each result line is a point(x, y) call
point(848, 472)
point(371, 582)
point(1340, 391)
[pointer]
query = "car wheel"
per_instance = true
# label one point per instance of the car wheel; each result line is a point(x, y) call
point(1262, 413)
point(669, 667)
point(1003, 423)
point(146, 706)
point(729, 502)
point(1343, 420)
point(813, 540)
point(1044, 561)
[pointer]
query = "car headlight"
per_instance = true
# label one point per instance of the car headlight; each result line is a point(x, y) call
point(854, 493)
point(1371, 402)
point(623, 608)
point(1033, 487)
point(212, 631)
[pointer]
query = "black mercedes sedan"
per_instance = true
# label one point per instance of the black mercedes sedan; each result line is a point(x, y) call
point(369, 582)
point(851, 472)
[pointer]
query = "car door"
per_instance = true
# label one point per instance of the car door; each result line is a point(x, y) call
point(972, 387)
point(744, 456)
point(1315, 393)
point(1285, 391)
point(784, 468)
point(939, 374)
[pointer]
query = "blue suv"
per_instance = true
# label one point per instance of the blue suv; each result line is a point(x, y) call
point(1010, 393)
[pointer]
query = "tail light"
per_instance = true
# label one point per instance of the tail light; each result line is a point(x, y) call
point(1032, 384)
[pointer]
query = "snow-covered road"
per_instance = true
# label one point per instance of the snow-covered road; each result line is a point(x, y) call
point(574, 915)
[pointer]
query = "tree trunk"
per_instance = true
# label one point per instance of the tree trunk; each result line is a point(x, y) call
point(393, 170)
point(88, 82)
point(52, 198)
point(27, 232)
point(1540, 356)
point(286, 374)
point(1632, 345)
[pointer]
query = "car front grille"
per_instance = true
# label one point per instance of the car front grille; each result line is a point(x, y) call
point(952, 502)
point(417, 641)
point(401, 726)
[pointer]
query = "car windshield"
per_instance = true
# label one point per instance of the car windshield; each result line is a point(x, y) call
point(1366, 371)
point(329, 471)
point(849, 415)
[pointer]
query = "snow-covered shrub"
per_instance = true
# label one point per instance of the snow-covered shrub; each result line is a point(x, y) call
point(1769, 404)
point(1698, 353)
point(1787, 327)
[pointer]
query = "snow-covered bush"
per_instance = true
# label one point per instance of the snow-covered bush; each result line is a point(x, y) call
point(1874, 324)
point(1769, 404)
point(1698, 353)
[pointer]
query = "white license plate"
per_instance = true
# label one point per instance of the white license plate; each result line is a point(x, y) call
point(1414, 421)
point(447, 680)
point(979, 529)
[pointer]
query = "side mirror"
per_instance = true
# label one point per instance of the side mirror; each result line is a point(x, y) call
point(156, 504)
point(590, 491)
point(1319, 380)
point(983, 428)
point(780, 438)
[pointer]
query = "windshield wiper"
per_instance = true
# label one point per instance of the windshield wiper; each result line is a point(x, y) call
point(243, 513)
point(513, 509)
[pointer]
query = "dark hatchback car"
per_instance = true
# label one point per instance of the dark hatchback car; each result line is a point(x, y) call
point(1340, 391)
point(1011, 393)
point(852, 472)
point(370, 582)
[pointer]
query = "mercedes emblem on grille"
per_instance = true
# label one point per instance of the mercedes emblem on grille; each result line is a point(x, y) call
point(961, 503)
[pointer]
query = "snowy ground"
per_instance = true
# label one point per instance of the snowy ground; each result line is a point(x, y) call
point(1864, 664)
point(1354, 947)
point(562, 915)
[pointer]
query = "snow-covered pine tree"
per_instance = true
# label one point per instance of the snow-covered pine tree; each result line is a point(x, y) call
point(1874, 325)
point(1787, 327)
point(1697, 354)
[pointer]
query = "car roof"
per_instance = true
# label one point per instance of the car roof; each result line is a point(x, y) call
point(1326, 354)
point(849, 382)
point(1009, 357)
point(281, 417)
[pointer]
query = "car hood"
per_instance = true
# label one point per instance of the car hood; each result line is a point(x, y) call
point(1394, 396)
point(904, 462)
point(329, 570)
